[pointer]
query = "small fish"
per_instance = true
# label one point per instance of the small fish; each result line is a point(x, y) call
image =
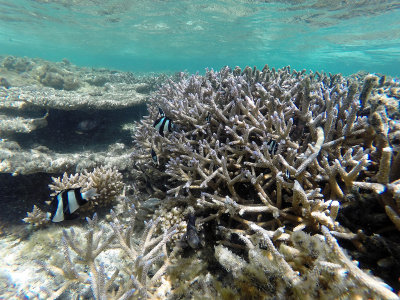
point(87, 126)
point(191, 236)
point(208, 118)
point(67, 202)
point(272, 146)
point(154, 156)
point(163, 123)
point(4, 82)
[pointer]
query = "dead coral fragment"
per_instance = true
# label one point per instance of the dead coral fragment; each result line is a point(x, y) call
point(393, 216)
point(370, 82)
point(379, 288)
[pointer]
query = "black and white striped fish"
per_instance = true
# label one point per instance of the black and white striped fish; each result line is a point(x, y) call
point(154, 156)
point(272, 146)
point(208, 117)
point(163, 123)
point(192, 236)
point(67, 202)
point(287, 174)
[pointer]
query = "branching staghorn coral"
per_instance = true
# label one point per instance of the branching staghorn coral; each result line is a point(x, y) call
point(37, 217)
point(130, 277)
point(87, 254)
point(232, 150)
point(313, 267)
point(150, 250)
point(284, 150)
point(107, 182)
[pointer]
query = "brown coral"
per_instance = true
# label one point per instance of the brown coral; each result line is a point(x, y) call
point(283, 149)
point(107, 182)
point(37, 217)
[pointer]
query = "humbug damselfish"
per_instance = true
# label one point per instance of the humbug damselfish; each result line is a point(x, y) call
point(163, 123)
point(67, 202)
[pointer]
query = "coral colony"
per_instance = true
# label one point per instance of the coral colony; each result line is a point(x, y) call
point(263, 175)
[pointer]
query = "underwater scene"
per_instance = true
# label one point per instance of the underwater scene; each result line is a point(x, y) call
point(221, 149)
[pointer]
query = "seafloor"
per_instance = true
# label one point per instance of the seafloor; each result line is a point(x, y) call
point(294, 179)
point(45, 132)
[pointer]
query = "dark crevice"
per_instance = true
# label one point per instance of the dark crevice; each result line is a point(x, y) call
point(72, 131)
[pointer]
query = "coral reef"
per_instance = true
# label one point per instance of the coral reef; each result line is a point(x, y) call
point(113, 97)
point(19, 272)
point(52, 111)
point(56, 78)
point(312, 267)
point(18, 64)
point(287, 151)
point(17, 161)
point(173, 216)
point(293, 179)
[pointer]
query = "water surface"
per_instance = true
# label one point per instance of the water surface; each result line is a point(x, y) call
point(335, 36)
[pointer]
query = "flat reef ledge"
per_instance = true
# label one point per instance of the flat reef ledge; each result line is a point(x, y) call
point(112, 97)
point(57, 117)
point(42, 160)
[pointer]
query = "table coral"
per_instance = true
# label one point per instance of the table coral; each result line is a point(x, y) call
point(43, 105)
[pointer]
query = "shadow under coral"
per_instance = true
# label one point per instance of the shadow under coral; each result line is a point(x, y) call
point(71, 131)
point(18, 194)
point(380, 252)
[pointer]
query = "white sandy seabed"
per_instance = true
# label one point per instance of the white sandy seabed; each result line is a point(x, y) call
point(21, 277)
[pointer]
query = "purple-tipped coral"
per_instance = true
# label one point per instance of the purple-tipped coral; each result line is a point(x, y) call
point(283, 150)
point(272, 139)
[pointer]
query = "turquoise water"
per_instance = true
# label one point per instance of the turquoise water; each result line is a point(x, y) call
point(334, 36)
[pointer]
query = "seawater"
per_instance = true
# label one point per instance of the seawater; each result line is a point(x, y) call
point(154, 36)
